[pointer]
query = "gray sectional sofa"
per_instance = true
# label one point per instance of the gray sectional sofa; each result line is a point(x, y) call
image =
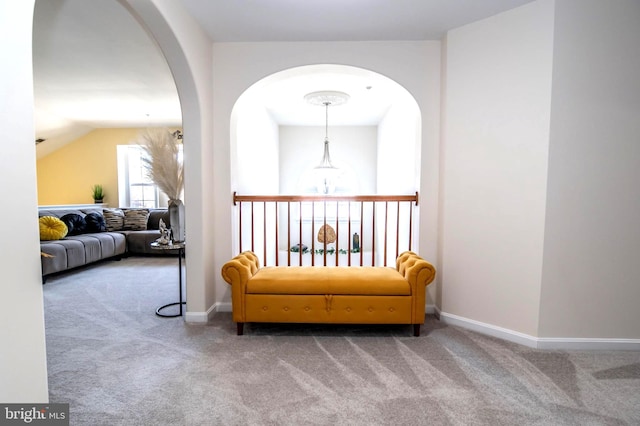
point(77, 250)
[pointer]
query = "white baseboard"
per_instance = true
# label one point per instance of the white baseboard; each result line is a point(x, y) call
point(488, 329)
point(223, 307)
point(576, 343)
point(200, 317)
point(568, 343)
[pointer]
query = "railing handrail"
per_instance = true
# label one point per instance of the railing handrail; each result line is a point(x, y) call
point(319, 198)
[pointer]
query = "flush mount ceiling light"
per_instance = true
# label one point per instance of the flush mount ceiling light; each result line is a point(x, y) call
point(327, 97)
point(327, 171)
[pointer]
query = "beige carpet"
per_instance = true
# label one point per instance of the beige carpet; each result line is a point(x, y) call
point(116, 363)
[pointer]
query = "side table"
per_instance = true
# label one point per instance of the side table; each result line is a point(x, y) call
point(180, 248)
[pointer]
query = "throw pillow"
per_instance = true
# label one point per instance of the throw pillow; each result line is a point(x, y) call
point(95, 222)
point(52, 228)
point(136, 219)
point(153, 222)
point(114, 219)
point(75, 223)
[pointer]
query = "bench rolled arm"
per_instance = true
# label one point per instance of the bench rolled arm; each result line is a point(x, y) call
point(237, 273)
point(419, 274)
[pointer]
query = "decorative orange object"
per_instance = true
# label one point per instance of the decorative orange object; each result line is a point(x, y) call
point(327, 234)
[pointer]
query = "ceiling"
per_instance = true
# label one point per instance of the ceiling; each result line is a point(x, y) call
point(95, 67)
point(339, 20)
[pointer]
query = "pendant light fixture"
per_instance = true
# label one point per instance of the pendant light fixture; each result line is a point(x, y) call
point(326, 171)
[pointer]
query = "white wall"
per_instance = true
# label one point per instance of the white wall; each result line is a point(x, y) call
point(414, 65)
point(23, 364)
point(352, 149)
point(498, 95)
point(399, 157)
point(255, 154)
point(399, 150)
point(592, 240)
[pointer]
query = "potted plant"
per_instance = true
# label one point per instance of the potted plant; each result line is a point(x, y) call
point(98, 193)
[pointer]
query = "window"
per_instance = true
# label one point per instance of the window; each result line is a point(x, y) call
point(134, 186)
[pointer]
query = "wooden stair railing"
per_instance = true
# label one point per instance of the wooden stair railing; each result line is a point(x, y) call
point(358, 213)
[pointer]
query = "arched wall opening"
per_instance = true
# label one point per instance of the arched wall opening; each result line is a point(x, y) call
point(188, 52)
point(277, 138)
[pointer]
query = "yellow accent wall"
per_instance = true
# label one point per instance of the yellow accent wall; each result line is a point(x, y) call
point(67, 175)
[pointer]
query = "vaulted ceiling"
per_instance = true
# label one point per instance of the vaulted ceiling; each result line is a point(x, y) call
point(95, 66)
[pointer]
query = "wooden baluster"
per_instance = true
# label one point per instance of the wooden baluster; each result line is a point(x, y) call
point(300, 233)
point(276, 218)
point(253, 222)
point(349, 236)
point(240, 226)
point(373, 235)
point(324, 243)
point(361, 233)
point(397, 231)
point(313, 231)
point(337, 232)
point(386, 230)
point(288, 233)
point(264, 231)
point(411, 206)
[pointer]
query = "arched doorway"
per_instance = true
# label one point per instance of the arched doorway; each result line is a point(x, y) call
point(277, 139)
point(191, 85)
point(190, 63)
point(275, 131)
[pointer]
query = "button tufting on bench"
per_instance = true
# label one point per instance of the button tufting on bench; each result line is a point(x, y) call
point(286, 308)
point(264, 308)
point(348, 309)
point(370, 309)
point(307, 309)
point(391, 310)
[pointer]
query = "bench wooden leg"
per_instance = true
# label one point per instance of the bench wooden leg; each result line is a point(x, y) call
point(416, 330)
point(240, 326)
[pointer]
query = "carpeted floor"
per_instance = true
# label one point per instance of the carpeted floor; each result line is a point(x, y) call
point(116, 363)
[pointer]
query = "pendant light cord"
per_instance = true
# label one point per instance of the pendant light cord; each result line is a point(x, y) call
point(326, 121)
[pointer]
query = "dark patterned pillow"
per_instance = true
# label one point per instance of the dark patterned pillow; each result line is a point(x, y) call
point(75, 223)
point(114, 219)
point(135, 219)
point(95, 222)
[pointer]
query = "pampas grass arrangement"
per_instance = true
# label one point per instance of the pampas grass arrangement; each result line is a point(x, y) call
point(163, 163)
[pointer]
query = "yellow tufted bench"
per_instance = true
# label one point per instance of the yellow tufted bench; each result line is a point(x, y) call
point(329, 294)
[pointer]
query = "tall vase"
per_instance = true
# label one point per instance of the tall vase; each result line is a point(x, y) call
point(176, 219)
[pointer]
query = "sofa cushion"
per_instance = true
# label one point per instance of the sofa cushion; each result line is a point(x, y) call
point(135, 219)
point(114, 219)
point(75, 251)
point(154, 218)
point(57, 259)
point(52, 228)
point(95, 222)
point(354, 280)
point(75, 223)
point(139, 242)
